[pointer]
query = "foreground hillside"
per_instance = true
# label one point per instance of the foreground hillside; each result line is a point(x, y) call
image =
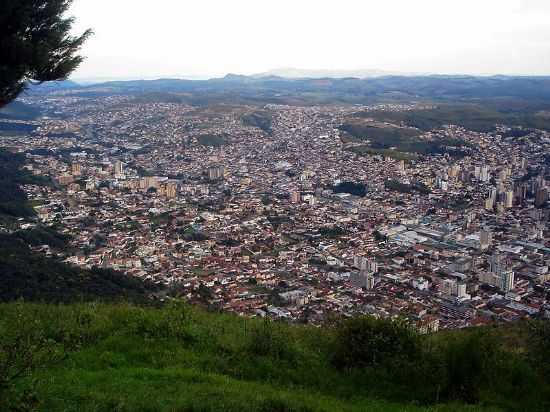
point(99, 357)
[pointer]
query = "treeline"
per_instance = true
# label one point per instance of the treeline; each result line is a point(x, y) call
point(7, 128)
point(42, 235)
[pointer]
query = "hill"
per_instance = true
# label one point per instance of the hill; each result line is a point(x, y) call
point(471, 116)
point(504, 93)
point(98, 357)
point(19, 111)
point(393, 141)
point(28, 274)
point(13, 200)
point(261, 119)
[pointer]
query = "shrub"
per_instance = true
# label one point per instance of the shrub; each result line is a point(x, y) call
point(24, 347)
point(366, 341)
point(539, 346)
point(167, 323)
point(471, 363)
point(266, 340)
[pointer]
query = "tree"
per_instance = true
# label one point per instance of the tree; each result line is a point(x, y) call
point(366, 341)
point(35, 44)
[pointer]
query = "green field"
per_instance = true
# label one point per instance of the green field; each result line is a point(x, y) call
point(392, 141)
point(470, 116)
point(100, 357)
point(211, 140)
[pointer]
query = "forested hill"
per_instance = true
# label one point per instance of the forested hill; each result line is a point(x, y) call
point(31, 275)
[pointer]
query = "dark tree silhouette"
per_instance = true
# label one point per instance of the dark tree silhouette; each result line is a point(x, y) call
point(35, 44)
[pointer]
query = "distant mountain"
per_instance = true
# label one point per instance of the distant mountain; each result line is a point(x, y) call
point(293, 73)
point(502, 92)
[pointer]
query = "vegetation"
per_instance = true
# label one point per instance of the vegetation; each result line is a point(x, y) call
point(356, 189)
point(16, 129)
point(36, 44)
point(332, 232)
point(507, 95)
point(398, 139)
point(100, 357)
point(260, 118)
point(19, 111)
point(470, 116)
point(211, 140)
point(29, 275)
point(13, 200)
point(42, 235)
point(191, 234)
point(380, 137)
point(406, 188)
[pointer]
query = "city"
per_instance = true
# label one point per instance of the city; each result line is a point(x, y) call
point(275, 206)
point(263, 222)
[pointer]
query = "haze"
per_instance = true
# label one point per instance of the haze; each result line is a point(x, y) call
point(205, 38)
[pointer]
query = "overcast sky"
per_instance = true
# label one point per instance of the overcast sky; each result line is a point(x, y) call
point(155, 38)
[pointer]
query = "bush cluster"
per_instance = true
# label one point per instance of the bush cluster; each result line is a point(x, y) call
point(462, 366)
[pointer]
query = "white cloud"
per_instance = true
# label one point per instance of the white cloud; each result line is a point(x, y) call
point(135, 38)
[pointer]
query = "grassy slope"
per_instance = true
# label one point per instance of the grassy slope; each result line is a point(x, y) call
point(128, 358)
point(473, 117)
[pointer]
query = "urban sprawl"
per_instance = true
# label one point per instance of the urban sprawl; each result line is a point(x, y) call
point(261, 223)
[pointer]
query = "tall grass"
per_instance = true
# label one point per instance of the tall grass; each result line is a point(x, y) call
point(100, 357)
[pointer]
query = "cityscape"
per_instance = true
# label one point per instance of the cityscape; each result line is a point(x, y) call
point(274, 206)
point(289, 222)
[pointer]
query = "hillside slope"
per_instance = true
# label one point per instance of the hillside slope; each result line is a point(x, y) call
point(97, 357)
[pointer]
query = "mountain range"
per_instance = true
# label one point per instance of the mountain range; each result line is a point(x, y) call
point(501, 92)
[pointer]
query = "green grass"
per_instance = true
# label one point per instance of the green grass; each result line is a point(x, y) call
point(471, 116)
point(211, 140)
point(394, 154)
point(397, 142)
point(107, 357)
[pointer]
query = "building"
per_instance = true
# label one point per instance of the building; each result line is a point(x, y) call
point(168, 189)
point(65, 179)
point(451, 287)
point(500, 274)
point(484, 175)
point(215, 172)
point(148, 182)
point(421, 283)
point(448, 287)
point(362, 279)
point(76, 169)
point(366, 264)
point(541, 197)
point(119, 168)
point(485, 239)
point(508, 199)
